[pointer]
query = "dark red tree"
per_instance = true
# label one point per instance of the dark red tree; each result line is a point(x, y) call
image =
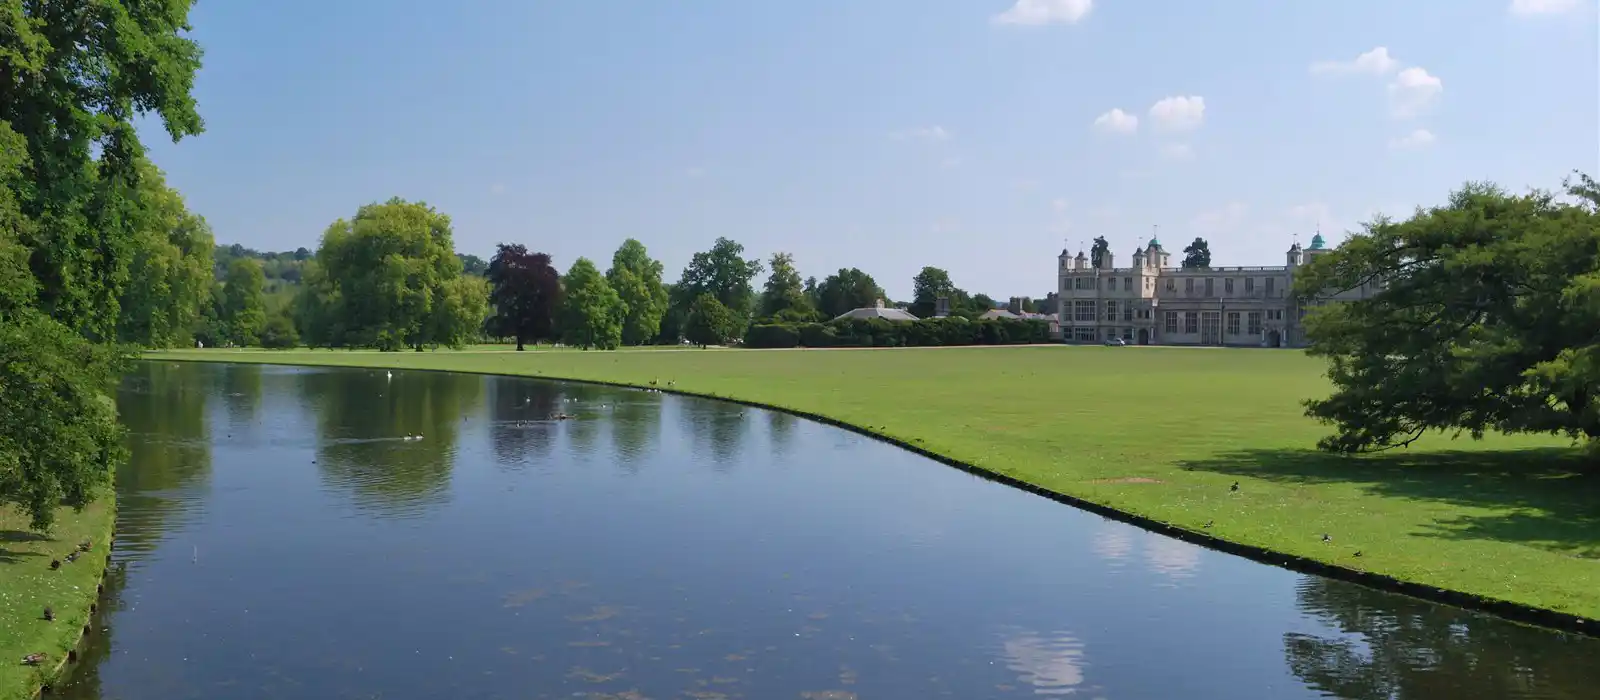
point(525, 289)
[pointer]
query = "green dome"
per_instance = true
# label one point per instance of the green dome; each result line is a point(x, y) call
point(1316, 242)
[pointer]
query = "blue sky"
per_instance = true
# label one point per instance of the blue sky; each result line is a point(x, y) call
point(973, 135)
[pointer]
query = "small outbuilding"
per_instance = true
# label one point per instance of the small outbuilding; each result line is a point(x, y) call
point(879, 310)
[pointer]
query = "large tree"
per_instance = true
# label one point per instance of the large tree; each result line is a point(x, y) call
point(170, 274)
point(928, 286)
point(591, 315)
point(710, 322)
point(1480, 317)
point(722, 272)
point(847, 289)
point(244, 312)
point(636, 278)
point(1197, 254)
point(784, 290)
point(525, 290)
point(380, 275)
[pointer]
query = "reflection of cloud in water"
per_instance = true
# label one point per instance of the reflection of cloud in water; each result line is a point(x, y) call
point(1172, 558)
point(1113, 542)
point(1052, 664)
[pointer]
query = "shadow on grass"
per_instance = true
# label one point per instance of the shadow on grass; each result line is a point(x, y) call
point(1544, 498)
point(9, 536)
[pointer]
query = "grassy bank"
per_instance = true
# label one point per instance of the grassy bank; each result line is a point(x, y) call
point(27, 585)
point(1160, 433)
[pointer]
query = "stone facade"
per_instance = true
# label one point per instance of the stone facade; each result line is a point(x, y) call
point(1154, 303)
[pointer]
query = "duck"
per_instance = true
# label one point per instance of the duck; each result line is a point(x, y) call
point(1327, 537)
point(49, 614)
point(34, 659)
point(85, 545)
point(1234, 488)
point(72, 557)
point(55, 564)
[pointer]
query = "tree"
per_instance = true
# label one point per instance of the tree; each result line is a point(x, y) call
point(525, 290)
point(847, 289)
point(636, 278)
point(710, 322)
point(77, 74)
point(928, 286)
point(981, 303)
point(723, 273)
point(170, 273)
point(279, 331)
point(379, 275)
point(243, 311)
point(591, 316)
point(1100, 253)
point(59, 436)
point(1197, 254)
point(459, 311)
point(473, 265)
point(1483, 319)
point(784, 291)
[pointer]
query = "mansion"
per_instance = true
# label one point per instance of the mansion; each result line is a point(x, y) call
point(1153, 303)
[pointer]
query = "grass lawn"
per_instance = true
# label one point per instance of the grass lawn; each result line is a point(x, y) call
point(1158, 432)
point(27, 585)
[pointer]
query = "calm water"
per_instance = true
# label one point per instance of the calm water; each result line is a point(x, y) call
point(281, 539)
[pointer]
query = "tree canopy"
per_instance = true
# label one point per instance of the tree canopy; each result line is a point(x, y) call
point(784, 290)
point(710, 322)
point(383, 278)
point(722, 272)
point(1482, 318)
point(525, 290)
point(847, 289)
point(636, 278)
point(1197, 254)
point(928, 286)
point(244, 313)
point(592, 313)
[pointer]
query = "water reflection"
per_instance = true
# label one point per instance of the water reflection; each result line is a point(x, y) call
point(1051, 664)
point(312, 551)
point(1388, 648)
point(390, 439)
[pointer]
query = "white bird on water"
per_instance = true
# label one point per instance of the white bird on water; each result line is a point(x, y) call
point(389, 374)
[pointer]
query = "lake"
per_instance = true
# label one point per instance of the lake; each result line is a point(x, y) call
point(315, 533)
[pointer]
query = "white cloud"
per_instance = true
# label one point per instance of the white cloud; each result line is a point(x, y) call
point(1117, 121)
point(1177, 151)
point(1413, 91)
point(922, 133)
point(1526, 8)
point(1038, 12)
point(1374, 62)
point(1179, 113)
point(1225, 218)
point(1421, 138)
point(497, 189)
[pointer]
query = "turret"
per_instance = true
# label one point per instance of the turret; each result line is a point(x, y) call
point(1295, 256)
point(1081, 262)
point(1138, 259)
point(1066, 259)
point(1157, 255)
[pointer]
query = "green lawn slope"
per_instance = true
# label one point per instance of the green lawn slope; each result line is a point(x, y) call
point(1159, 433)
point(27, 585)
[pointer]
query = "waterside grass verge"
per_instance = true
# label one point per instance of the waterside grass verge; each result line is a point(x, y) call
point(28, 584)
point(1157, 436)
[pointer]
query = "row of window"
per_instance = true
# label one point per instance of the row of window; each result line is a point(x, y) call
point(1192, 321)
point(1089, 310)
point(1210, 284)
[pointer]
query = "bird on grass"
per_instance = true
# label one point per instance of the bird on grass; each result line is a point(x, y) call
point(1209, 523)
point(1327, 537)
point(1234, 488)
point(85, 545)
point(55, 564)
point(72, 557)
point(33, 659)
point(1358, 553)
point(49, 614)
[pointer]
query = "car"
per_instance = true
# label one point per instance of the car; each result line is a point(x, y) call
point(1115, 342)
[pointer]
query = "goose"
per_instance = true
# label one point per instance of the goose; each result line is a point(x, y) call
point(49, 614)
point(34, 659)
point(388, 375)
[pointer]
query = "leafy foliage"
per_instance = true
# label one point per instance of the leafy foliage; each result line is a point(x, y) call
point(710, 322)
point(636, 278)
point(385, 279)
point(170, 277)
point(279, 332)
point(59, 436)
point(784, 291)
point(473, 265)
point(592, 314)
point(1197, 254)
point(723, 273)
point(244, 313)
point(525, 290)
point(928, 286)
point(883, 333)
point(1485, 319)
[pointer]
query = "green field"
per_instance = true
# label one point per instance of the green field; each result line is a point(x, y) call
point(1157, 432)
point(27, 585)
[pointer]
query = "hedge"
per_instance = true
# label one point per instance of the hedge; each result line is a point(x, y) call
point(879, 333)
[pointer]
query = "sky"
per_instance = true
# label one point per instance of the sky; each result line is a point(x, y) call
point(979, 136)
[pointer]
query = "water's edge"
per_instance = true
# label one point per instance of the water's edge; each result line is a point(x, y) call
point(1509, 610)
point(42, 682)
